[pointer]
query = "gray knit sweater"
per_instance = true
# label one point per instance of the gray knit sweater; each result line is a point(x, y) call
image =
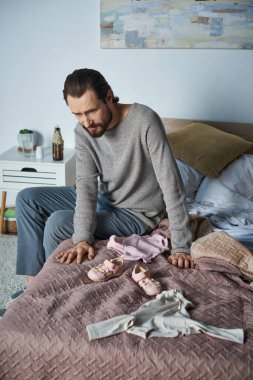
point(136, 171)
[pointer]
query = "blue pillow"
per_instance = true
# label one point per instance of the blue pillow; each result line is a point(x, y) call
point(191, 177)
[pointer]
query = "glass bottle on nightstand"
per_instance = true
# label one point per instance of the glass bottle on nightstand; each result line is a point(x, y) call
point(57, 145)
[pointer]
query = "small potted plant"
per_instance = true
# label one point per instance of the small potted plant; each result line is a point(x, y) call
point(25, 135)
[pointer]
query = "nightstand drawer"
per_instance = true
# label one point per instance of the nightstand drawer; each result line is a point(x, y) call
point(17, 172)
point(30, 176)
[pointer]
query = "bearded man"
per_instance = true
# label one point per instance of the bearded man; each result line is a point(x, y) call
point(126, 180)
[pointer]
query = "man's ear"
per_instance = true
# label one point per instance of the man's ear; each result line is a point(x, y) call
point(110, 96)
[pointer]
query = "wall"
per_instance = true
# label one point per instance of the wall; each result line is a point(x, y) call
point(41, 42)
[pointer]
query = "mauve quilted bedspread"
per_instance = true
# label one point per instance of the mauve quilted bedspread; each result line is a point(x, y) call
point(43, 333)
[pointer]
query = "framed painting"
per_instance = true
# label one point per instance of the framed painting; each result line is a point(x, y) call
point(151, 24)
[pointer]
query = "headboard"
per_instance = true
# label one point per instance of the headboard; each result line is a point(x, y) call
point(244, 130)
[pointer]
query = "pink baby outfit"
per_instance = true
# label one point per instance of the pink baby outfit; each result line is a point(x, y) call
point(137, 247)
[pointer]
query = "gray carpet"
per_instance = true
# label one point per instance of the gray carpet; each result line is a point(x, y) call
point(9, 281)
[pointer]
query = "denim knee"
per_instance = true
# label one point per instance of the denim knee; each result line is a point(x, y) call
point(59, 226)
point(55, 221)
point(25, 196)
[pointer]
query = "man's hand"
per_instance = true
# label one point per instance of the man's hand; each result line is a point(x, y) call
point(77, 252)
point(181, 260)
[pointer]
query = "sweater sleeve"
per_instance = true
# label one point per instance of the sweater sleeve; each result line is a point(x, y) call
point(171, 184)
point(86, 189)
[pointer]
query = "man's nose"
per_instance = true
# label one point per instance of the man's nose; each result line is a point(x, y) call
point(86, 121)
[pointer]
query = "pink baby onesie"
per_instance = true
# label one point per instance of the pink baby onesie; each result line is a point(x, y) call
point(137, 247)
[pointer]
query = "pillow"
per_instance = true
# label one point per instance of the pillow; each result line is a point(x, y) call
point(191, 178)
point(233, 188)
point(206, 148)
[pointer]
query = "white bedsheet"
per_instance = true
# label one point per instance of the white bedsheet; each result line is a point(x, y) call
point(227, 200)
point(238, 223)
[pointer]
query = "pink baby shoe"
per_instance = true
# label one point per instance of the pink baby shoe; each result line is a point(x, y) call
point(148, 284)
point(106, 270)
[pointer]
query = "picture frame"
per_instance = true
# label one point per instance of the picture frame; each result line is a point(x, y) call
point(159, 24)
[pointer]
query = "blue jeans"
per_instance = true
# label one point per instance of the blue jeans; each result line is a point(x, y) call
point(45, 218)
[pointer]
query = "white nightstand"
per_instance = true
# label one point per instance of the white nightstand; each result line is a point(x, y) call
point(18, 172)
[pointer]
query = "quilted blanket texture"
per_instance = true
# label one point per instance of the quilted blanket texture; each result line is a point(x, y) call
point(43, 333)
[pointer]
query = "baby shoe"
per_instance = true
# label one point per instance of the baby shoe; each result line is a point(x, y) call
point(106, 270)
point(148, 284)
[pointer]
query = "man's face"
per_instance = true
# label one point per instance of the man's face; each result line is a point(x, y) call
point(92, 113)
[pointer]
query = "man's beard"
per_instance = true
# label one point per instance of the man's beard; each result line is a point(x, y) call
point(97, 130)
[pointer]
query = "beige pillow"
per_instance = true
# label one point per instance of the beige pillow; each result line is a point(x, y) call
point(206, 148)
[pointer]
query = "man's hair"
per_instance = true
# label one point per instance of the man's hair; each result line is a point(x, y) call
point(77, 83)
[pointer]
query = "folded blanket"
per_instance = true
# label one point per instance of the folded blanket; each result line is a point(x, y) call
point(221, 246)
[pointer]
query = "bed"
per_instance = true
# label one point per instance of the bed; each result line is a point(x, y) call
point(43, 334)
